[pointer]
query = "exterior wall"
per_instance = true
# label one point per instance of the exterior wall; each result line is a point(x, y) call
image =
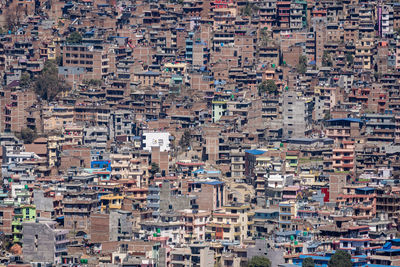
point(336, 183)
point(6, 215)
point(95, 62)
point(160, 158)
point(38, 240)
point(78, 157)
point(14, 105)
point(296, 116)
point(99, 228)
point(160, 139)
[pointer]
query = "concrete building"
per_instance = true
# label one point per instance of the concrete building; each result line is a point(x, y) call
point(14, 105)
point(160, 139)
point(297, 115)
point(43, 243)
point(122, 126)
point(198, 255)
point(94, 58)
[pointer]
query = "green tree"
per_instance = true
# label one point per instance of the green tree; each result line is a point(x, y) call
point(48, 85)
point(249, 9)
point(74, 38)
point(154, 169)
point(264, 36)
point(27, 135)
point(259, 261)
point(184, 143)
point(340, 258)
point(308, 262)
point(59, 61)
point(268, 86)
point(327, 115)
point(302, 66)
point(377, 75)
point(25, 81)
point(327, 60)
point(349, 59)
point(397, 31)
point(93, 82)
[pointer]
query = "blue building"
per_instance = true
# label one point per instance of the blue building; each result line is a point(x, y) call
point(321, 260)
point(101, 164)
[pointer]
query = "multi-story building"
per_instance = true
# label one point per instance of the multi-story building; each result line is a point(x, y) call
point(232, 223)
point(14, 105)
point(94, 58)
point(195, 222)
point(343, 129)
point(237, 164)
point(43, 243)
point(22, 214)
point(343, 157)
point(287, 212)
point(362, 200)
point(297, 115)
point(57, 117)
point(78, 206)
point(380, 127)
point(196, 255)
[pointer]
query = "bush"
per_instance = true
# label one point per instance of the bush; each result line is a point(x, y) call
point(259, 261)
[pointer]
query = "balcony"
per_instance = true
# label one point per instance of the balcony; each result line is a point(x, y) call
point(153, 205)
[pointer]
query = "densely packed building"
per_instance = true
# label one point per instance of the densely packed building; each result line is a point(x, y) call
point(199, 132)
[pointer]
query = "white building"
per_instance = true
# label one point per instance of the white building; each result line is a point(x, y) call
point(278, 180)
point(160, 139)
point(195, 223)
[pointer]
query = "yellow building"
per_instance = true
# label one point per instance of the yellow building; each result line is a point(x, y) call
point(48, 51)
point(364, 53)
point(54, 144)
point(176, 68)
point(232, 223)
point(111, 202)
point(56, 117)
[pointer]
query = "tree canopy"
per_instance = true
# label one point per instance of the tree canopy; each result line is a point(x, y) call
point(249, 9)
point(340, 258)
point(27, 135)
point(185, 139)
point(302, 66)
point(259, 261)
point(327, 60)
point(74, 38)
point(93, 82)
point(268, 86)
point(349, 59)
point(154, 169)
point(48, 85)
point(308, 262)
point(25, 81)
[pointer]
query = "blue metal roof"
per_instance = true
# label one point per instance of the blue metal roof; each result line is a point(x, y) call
point(387, 245)
point(346, 119)
point(366, 189)
point(322, 258)
point(213, 183)
point(377, 265)
point(388, 250)
point(255, 151)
